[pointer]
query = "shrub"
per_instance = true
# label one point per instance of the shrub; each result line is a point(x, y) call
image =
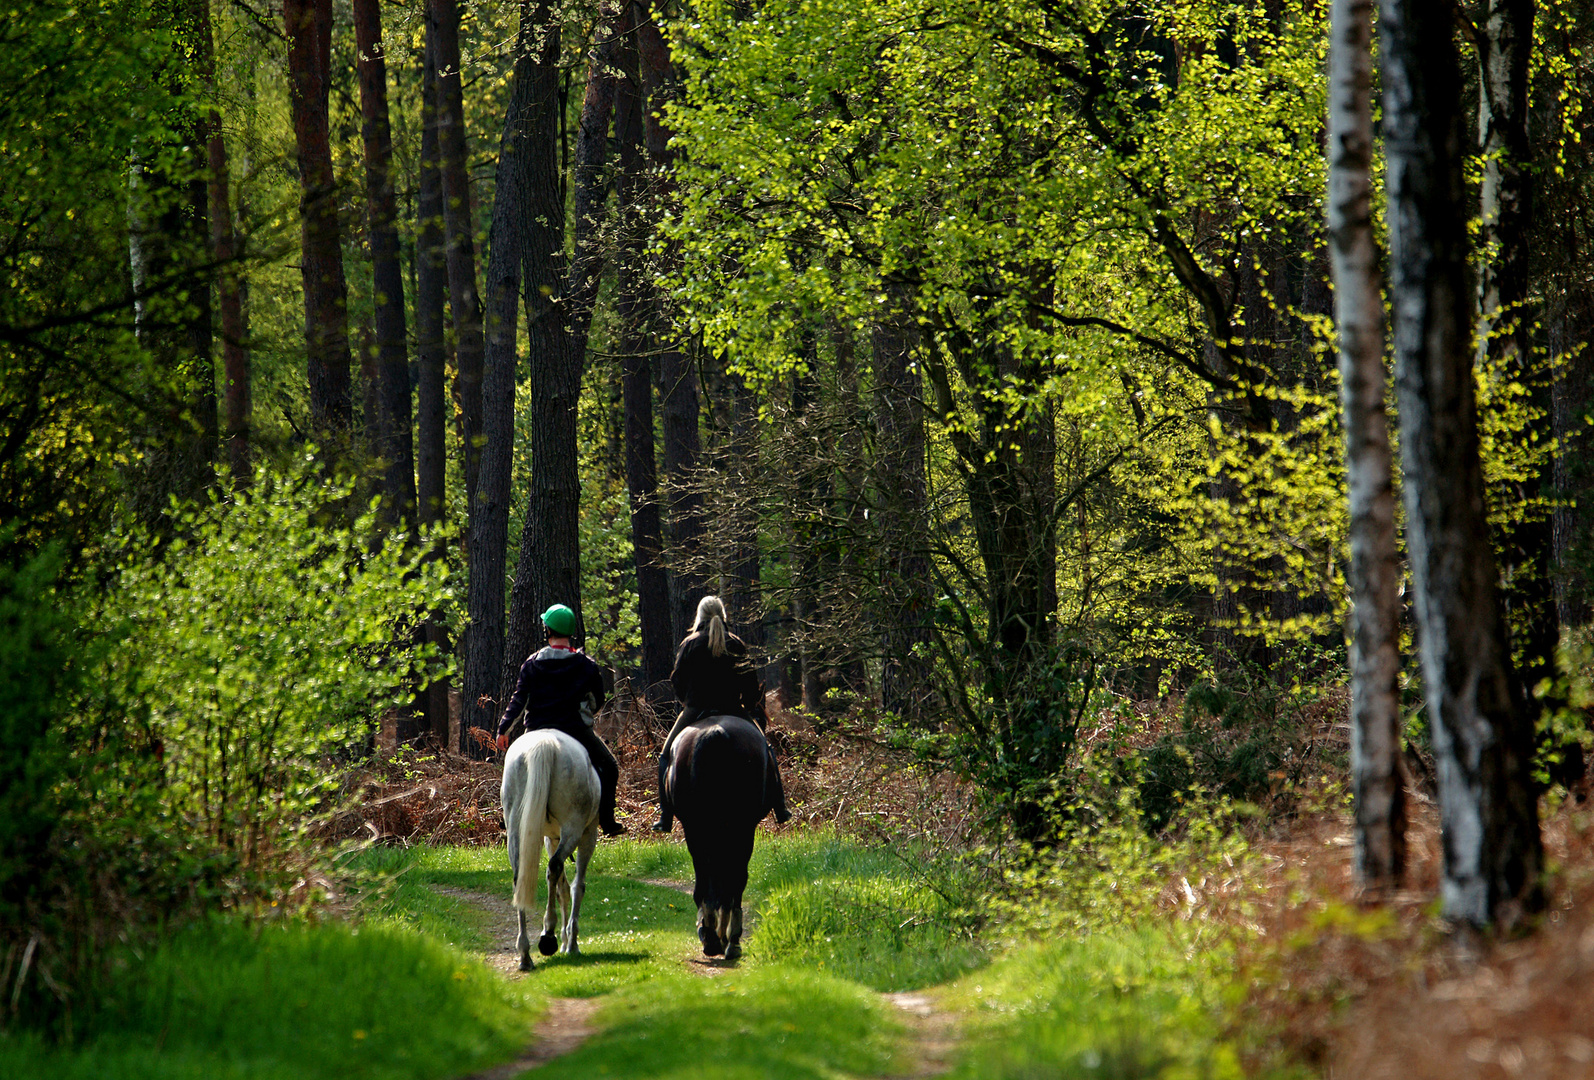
point(264, 645)
point(1244, 737)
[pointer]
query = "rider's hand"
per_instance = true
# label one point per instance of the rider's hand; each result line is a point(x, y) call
point(503, 743)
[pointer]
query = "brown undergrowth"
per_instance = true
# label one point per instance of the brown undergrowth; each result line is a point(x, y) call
point(1366, 989)
point(835, 779)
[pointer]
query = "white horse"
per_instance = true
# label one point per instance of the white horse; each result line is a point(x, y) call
point(550, 791)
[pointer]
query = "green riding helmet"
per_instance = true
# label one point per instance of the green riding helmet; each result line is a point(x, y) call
point(560, 619)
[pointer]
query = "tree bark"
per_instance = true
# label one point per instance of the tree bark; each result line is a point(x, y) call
point(558, 303)
point(326, 328)
point(229, 289)
point(1482, 724)
point(678, 392)
point(431, 290)
point(527, 163)
point(1505, 292)
point(647, 534)
point(458, 225)
point(1374, 564)
point(905, 580)
point(394, 445)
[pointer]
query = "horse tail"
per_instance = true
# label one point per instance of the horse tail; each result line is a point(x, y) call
point(533, 820)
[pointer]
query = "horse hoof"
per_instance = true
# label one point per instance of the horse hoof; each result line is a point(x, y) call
point(710, 940)
point(547, 944)
point(733, 952)
point(525, 963)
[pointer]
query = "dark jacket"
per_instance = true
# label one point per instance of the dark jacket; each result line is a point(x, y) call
point(553, 683)
point(718, 684)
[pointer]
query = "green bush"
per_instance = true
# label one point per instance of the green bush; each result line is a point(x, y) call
point(265, 643)
point(1245, 737)
point(886, 933)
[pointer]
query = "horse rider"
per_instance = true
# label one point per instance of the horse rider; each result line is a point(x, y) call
point(714, 676)
point(560, 688)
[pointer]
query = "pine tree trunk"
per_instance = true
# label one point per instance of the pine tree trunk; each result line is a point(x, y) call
point(394, 444)
point(900, 483)
point(458, 224)
point(647, 536)
point(1374, 565)
point(678, 392)
point(528, 159)
point(1482, 724)
point(326, 329)
point(1506, 296)
point(558, 305)
point(431, 292)
point(229, 290)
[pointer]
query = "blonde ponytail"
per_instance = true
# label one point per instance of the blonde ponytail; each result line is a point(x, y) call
point(711, 620)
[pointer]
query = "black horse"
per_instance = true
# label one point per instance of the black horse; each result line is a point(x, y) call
point(716, 779)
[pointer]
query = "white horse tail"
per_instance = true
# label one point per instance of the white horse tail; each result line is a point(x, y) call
point(540, 762)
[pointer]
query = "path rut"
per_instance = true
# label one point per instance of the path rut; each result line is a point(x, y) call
point(567, 1024)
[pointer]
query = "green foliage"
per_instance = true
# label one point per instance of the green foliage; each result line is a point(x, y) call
point(887, 932)
point(295, 1000)
point(1131, 1004)
point(1245, 737)
point(265, 641)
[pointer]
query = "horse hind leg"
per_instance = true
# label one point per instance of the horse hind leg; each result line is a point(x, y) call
point(708, 930)
point(523, 943)
point(575, 890)
point(733, 933)
point(558, 892)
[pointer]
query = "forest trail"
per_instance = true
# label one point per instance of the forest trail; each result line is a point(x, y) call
point(933, 1033)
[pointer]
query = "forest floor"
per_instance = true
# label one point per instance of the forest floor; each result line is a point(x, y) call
point(1346, 986)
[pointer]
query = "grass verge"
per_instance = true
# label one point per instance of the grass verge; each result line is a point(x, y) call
point(296, 1001)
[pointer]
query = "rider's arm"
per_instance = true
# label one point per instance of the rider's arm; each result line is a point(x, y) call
point(518, 701)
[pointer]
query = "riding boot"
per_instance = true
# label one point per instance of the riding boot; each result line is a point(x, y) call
point(666, 814)
point(608, 771)
point(666, 820)
point(778, 792)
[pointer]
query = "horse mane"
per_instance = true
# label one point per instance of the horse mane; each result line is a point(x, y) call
point(711, 621)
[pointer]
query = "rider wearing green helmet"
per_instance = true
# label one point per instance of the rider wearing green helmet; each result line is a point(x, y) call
point(561, 688)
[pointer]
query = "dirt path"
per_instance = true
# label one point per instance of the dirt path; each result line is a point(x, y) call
point(568, 1022)
point(935, 1034)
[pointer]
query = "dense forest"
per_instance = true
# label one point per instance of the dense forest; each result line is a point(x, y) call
point(1010, 370)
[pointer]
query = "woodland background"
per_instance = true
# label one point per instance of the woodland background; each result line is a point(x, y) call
point(983, 357)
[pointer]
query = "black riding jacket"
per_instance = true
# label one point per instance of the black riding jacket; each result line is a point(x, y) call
point(718, 684)
point(553, 683)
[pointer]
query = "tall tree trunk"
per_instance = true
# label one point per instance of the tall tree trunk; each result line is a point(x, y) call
point(528, 158)
point(678, 392)
point(647, 535)
point(229, 290)
point(558, 305)
point(905, 581)
point(431, 290)
point(1374, 564)
point(326, 327)
point(1506, 300)
point(808, 527)
point(1481, 722)
point(395, 443)
point(458, 225)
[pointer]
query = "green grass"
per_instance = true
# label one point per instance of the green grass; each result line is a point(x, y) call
point(1119, 1005)
point(296, 1000)
point(775, 1023)
point(404, 995)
